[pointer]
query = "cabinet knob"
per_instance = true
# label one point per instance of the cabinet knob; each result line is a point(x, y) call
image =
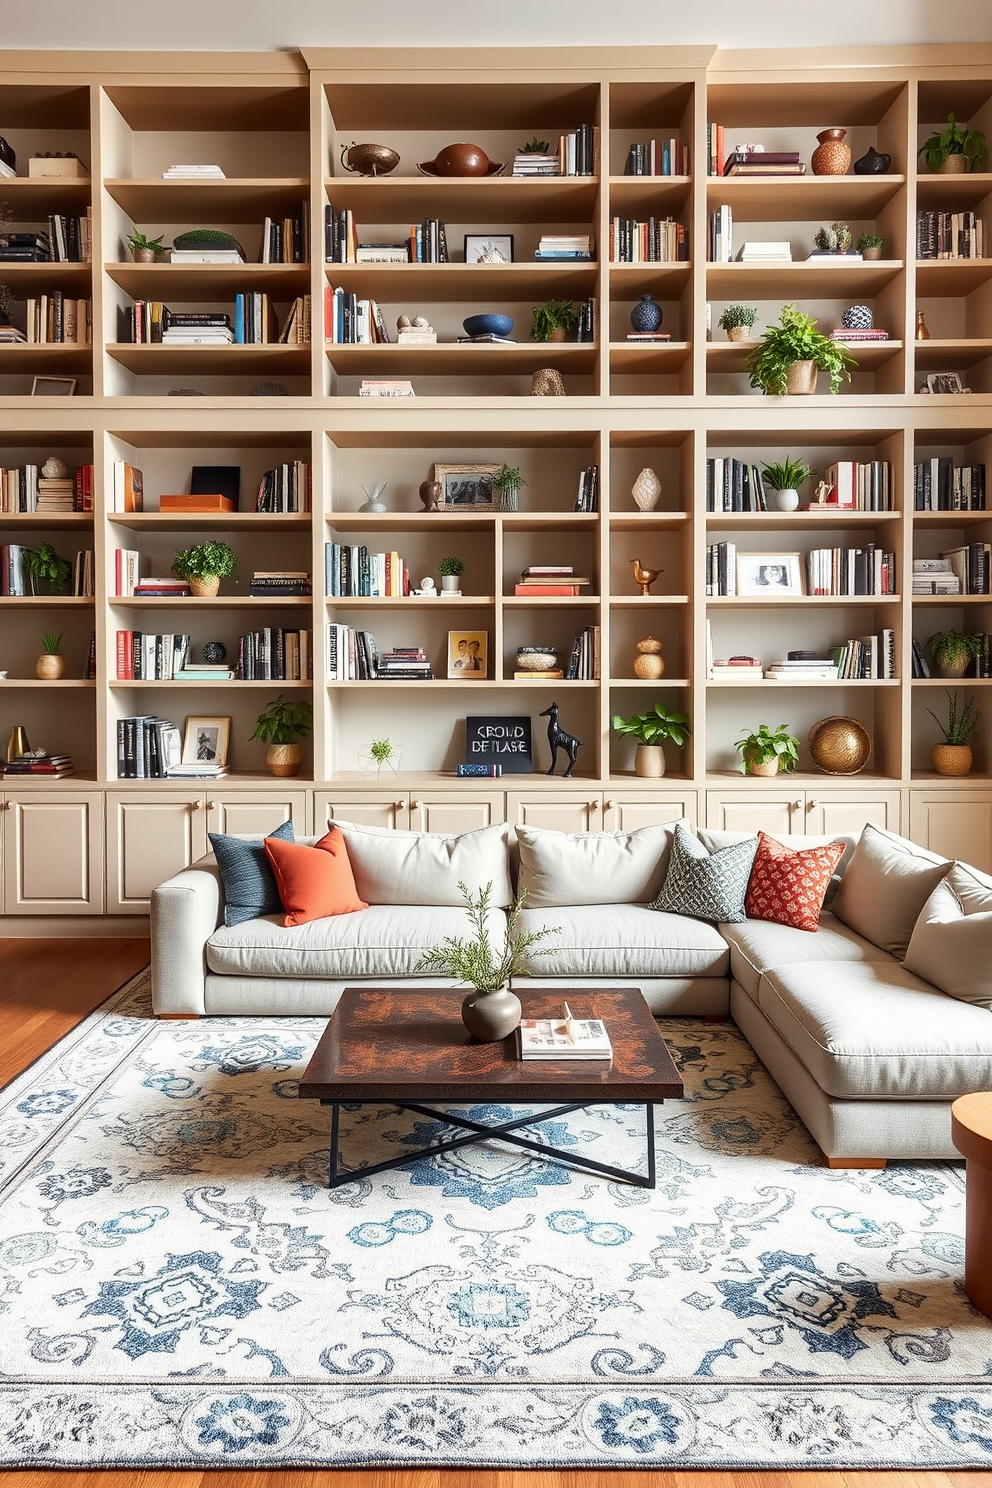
point(609, 805)
point(211, 805)
point(798, 805)
point(196, 805)
point(812, 805)
point(593, 805)
point(6, 805)
point(398, 805)
point(415, 804)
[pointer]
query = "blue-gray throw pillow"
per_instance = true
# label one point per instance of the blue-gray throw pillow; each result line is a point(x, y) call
point(710, 886)
point(250, 887)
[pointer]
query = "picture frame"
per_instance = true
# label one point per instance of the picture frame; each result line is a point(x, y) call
point(206, 740)
point(489, 248)
point(944, 382)
point(468, 655)
point(770, 575)
point(53, 387)
point(466, 487)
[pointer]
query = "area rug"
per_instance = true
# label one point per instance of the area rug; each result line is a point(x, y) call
point(179, 1287)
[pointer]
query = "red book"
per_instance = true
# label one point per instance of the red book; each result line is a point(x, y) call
point(125, 656)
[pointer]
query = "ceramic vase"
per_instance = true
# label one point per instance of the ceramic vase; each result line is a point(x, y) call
point(431, 492)
point(832, 157)
point(649, 761)
point(17, 742)
point(872, 163)
point(647, 314)
point(952, 759)
point(801, 378)
point(450, 583)
point(283, 759)
point(649, 664)
point(490, 1016)
point(49, 668)
point(922, 330)
point(507, 498)
point(646, 490)
point(787, 499)
point(375, 502)
point(204, 588)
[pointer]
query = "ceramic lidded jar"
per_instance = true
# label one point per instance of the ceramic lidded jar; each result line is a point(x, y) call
point(647, 314)
point(649, 664)
point(646, 490)
point(872, 163)
point(832, 157)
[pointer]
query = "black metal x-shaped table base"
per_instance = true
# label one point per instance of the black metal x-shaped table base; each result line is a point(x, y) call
point(479, 1132)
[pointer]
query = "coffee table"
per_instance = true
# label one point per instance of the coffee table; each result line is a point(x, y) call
point(409, 1049)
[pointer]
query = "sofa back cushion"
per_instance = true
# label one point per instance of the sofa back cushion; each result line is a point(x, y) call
point(707, 886)
point(951, 944)
point(885, 886)
point(250, 888)
point(426, 867)
point(558, 868)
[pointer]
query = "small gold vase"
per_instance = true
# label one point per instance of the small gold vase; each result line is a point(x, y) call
point(17, 742)
point(284, 759)
point(49, 668)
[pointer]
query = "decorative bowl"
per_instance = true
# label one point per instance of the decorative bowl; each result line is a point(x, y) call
point(488, 325)
point(369, 159)
point(537, 658)
point(839, 746)
point(461, 160)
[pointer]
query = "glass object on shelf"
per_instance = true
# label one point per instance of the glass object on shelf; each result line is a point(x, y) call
point(381, 754)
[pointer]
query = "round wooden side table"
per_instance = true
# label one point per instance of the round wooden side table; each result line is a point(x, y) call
point(971, 1133)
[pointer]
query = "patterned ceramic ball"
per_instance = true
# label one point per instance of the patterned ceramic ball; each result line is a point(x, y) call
point(213, 652)
point(857, 318)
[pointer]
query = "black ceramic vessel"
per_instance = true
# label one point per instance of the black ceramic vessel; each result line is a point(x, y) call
point(872, 163)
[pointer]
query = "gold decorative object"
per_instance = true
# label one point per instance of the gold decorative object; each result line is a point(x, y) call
point(17, 742)
point(49, 667)
point(839, 746)
point(644, 576)
point(646, 490)
point(283, 759)
point(800, 379)
point(648, 664)
point(922, 331)
point(547, 383)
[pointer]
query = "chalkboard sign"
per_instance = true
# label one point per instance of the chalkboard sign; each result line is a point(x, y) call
point(499, 740)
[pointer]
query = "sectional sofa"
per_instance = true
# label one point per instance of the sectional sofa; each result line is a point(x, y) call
point(872, 1025)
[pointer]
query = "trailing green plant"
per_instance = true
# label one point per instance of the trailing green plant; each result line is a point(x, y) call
point(654, 727)
point(51, 643)
point(283, 722)
point(956, 139)
point(508, 478)
point(450, 567)
point(536, 147)
point(949, 647)
point(136, 239)
point(834, 239)
point(737, 315)
point(553, 315)
point(208, 560)
point(472, 959)
point(796, 339)
point(46, 565)
point(869, 240)
point(787, 474)
point(960, 725)
point(758, 746)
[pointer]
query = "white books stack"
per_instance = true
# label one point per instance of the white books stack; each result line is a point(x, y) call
point(756, 252)
point(214, 335)
point(536, 165)
point(564, 246)
point(193, 173)
point(821, 257)
point(736, 670)
point(566, 1037)
point(206, 256)
point(802, 671)
point(934, 576)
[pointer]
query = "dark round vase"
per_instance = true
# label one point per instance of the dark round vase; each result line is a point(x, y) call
point(647, 314)
point(490, 1016)
point(872, 163)
point(213, 652)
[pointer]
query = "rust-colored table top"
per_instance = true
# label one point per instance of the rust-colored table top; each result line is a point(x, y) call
point(387, 1045)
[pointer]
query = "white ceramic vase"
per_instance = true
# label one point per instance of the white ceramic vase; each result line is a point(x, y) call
point(646, 490)
point(787, 499)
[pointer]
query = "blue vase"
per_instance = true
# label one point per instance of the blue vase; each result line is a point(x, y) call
point(647, 314)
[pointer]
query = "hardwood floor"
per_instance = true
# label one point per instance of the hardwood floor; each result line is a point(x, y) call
point(47, 986)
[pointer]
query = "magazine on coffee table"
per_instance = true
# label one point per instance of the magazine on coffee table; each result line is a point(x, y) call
point(563, 1038)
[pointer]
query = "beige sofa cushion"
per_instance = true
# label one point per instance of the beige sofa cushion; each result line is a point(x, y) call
point(563, 868)
point(885, 885)
point(426, 867)
point(385, 940)
point(951, 944)
point(871, 1030)
point(625, 940)
point(758, 946)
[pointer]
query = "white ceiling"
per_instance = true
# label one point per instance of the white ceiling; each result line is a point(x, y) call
point(275, 25)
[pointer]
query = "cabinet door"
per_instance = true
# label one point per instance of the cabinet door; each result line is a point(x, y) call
point(53, 853)
point(149, 838)
point(781, 810)
point(457, 812)
point(557, 812)
point(366, 808)
point(255, 813)
point(847, 811)
point(627, 813)
point(956, 824)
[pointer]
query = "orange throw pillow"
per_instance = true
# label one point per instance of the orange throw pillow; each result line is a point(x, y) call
point(314, 882)
point(787, 885)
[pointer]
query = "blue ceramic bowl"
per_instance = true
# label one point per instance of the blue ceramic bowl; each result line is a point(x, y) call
point(488, 325)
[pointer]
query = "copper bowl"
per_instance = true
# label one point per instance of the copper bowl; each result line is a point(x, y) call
point(369, 159)
point(839, 746)
point(461, 160)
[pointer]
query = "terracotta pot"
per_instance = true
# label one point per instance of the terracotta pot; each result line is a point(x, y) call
point(204, 588)
point(649, 761)
point(831, 157)
point(952, 759)
point(144, 255)
point(871, 254)
point(954, 165)
point(283, 759)
point(801, 378)
point(49, 668)
point(764, 767)
point(558, 334)
point(490, 1016)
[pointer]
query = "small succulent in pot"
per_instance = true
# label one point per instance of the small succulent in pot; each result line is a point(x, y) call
point(535, 147)
point(766, 751)
point(145, 249)
point(737, 321)
point(870, 245)
point(450, 569)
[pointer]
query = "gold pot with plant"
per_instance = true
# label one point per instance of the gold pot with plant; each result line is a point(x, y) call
point(953, 650)
point(279, 726)
point(766, 751)
point(50, 665)
point(143, 249)
point(953, 757)
point(954, 150)
point(737, 321)
point(555, 320)
point(651, 731)
point(203, 566)
point(796, 343)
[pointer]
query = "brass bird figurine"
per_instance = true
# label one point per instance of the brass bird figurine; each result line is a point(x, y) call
point(644, 576)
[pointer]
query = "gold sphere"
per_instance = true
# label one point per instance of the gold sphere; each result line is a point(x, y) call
point(839, 746)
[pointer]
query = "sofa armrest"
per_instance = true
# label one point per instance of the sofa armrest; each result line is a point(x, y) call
point(186, 910)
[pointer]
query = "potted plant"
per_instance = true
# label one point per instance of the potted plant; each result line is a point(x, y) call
point(50, 664)
point(204, 565)
point(788, 356)
point(555, 320)
point(380, 754)
point(785, 477)
point(144, 250)
point(491, 1011)
point(651, 731)
point(954, 150)
point(870, 245)
point(450, 569)
point(279, 726)
point(952, 650)
point(507, 483)
point(834, 239)
point(47, 567)
point(953, 757)
point(765, 751)
point(737, 321)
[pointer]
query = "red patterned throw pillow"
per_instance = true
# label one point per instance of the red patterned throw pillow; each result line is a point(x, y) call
point(787, 885)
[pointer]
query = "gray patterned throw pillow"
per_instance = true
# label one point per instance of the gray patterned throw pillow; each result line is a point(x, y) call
point(250, 887)
point(709, 886)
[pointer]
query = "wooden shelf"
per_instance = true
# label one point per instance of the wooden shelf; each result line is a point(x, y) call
point(53, 521)
point(811, 601)
point(59, 358)
point(45, 602)
point(155, 521)
point(951, 354)
point(119, 685)
point(648, 195)
point(405, 602)
point(654, 356)
point(211, 361)
point(792, 281)
point(731, 356)
point(24, 279)
point(405, 199)
point(951, 276)
point(169, 281)
point(794, 521)
point(34, 198)
point(22, 682)
point(666, 280)
point(802, 198)
point(449, 358)
point(220, 602)
point(466, 283)
point(953, 193)
point(244, 199)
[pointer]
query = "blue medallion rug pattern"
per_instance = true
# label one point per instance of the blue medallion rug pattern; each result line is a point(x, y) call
point(178, 1286)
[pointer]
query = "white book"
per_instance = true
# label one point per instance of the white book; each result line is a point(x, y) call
point(564, 1037)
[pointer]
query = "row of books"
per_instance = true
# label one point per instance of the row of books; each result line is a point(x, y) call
point(287, 239)
point(587, 496)
point(949, 235)
point(972, 565)
point(720, 244)
point(658, 240)
point(255, 323)
point(275, 654)
point(657, 157)
point(716, 157)
point(23, 489)
point(150, 656)
point(934, 576)
point(940, 485)
point(150, 748)
point(733, 485)
point(270, 654)
point(864, 658)
point(281, 583)
point(351, 321)
point(287, 487)
point(857, 571)
point(296, 327)
point(38, 766)
point(352, 572)
point(859, 485)
point(69, 239)
point(58, 319)
point(585, 660)
point(16, 581)
point(352, 655)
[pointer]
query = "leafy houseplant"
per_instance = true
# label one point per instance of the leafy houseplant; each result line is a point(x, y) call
point(47, 566)
point(954, 149)
point(50, 664)
point(651, 731)
point(739, 319)
point(870, 245)
point(952, 650)
point(796, 339)
point(144, 250)
point(450, 569)
point(507, 482)
point(536, 147)
point(953, 757)
point(834, 239)
point(204, 565)
point(555, 320)
point(492, 1010)
point(279, 726)
point(785, 477)
point(765, 751)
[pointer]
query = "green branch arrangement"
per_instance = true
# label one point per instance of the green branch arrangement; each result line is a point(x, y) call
point(472, 959)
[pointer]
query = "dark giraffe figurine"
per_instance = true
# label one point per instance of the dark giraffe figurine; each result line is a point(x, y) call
point(558, 739)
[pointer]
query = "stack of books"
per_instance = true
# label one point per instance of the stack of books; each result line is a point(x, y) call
point(656, 240)
point(802, 671)
point(11, 335)
point(563, 1038)
point(940, 485)
point(193, 173)
point(38, 765)
point(871, 333)
point(350, 321)
point(254, 319)
point(144, 656)
point(949, 235)
point(207, 254)
point(755, 251)
point(352, 655)
point(563, 247)
point(721, 570)
point(867, 570)
point(405, 663)
point(274, 654)
point(535, 163)
point(386, 387)
point(340, 241)
point(198, 327)
point(428, 241)
point(829, 256)
point(286, 488)
point(389, 253)
point(755, 161)
point(866, 657)
point(860, 485)
point(25, 247)
point(287, 240)
point(280, 582)
point(737, 669)
point(721, 240)
point(584, 662)
point(203, 671)
point(553, 579)
point(972, 562)
point(577, 152)
point(934, 576)
point(56, 494)
point(19, 488)
point(160, 588)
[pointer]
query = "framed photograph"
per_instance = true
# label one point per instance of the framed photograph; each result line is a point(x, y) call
point(205, 741)
point(53, 387)
point(466, 487)
point(944, 382)
point(489, 248)
point(468, 655)
point(770, 575)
